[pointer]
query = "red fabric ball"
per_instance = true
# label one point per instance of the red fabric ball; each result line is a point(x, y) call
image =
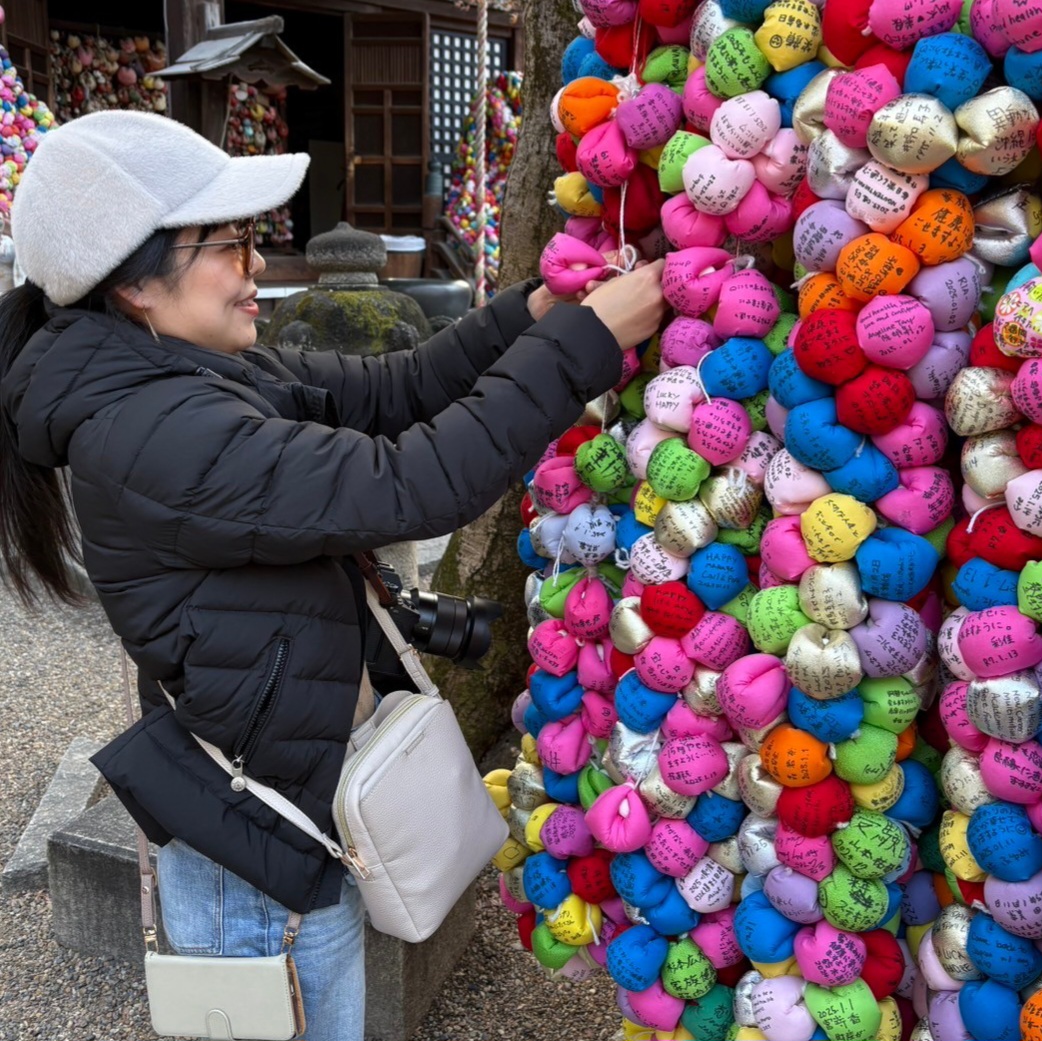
point(525, 927)
point(818, 808)
point(729, 975)
point(1029, 445)
point(752, 565)
point(565, 147)
point(931, 729)
point(885, 964)
point(568, 443)
point(971, 892)
point(998, 540)
point(984, 353)
point(528, 510)
point(590, 876)
point(876, 401)
point(671, 609)
point(667, 13)
point(843, 25)
point(909, 1017)
point(826, 347)
point(880, 54)
point(957, 545)
point(644, 199)
point(620, 663)
point(803, 198)
point(532, 670)
point(615, 44)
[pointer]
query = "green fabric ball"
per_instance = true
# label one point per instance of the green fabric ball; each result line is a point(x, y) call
point(735, 65)
point(555, 591)
point(871, 845)
point(1029, 590)
point(687, 973)
point(631, 397)
point(847, 1013)
point(889, 702)
point(777, 339)
point(938, 537)
point(675, 471)
point(784, 297)
point(746, 539)
point(930, 849)
point(548, 950)
point(711, 1016)
point(867, 757)
point(926, 754)
point(667, 64)
point(851, 903)
point(774, 618)
point(601, 463)
point(738, 608)
point(675, 153)
point(591, 783)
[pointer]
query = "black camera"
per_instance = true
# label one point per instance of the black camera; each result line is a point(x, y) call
point(434, 623)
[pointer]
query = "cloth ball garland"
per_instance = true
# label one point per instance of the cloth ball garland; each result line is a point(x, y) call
point(783, 759)
point(24, 119)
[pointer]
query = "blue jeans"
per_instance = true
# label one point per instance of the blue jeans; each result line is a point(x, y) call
point(209, 911)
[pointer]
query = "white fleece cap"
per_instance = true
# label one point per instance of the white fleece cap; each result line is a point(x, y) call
point(97, 187)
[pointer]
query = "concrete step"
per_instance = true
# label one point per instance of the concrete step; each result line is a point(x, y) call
point(94, 893)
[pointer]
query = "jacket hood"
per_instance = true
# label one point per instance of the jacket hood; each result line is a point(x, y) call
point(82, 362)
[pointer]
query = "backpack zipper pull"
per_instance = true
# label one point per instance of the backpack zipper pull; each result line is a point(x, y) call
point(238, 780)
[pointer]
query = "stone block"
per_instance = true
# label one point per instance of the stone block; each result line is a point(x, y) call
point(93, 880)
point(73, 786)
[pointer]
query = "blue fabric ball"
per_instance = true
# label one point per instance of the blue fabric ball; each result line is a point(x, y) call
point(639, 707)
point(638, 881)
point(895, 564)
point(594, 65)
point(1022, 275)
point(763, 933)
point(952, 174)
point(717, 573)
point(1024, 71)
point(786, 87)
point(545, 879)
point(868, 475)
point(828, 721)
point(737, 369)
point(672, 915)
point(555, 696)
point(636, 956)
point(1013, 961)
point(573, 56)
point(533, 719)
point(950, 66)
point(979, 584)
point(920, 905)
point(715, 817)
point(561, 787)
point(990, 1010)
point(790, 385)
point(920, 799)
point(748, 11)
point(815, 437)
point(1003, 842)
point(528, 555)
point(628, 529)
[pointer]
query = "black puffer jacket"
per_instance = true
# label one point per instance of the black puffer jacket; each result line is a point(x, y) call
point(218, 494)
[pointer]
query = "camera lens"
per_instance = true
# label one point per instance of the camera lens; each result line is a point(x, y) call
point(452, 627)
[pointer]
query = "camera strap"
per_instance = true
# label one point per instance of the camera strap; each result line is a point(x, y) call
point(366, 563)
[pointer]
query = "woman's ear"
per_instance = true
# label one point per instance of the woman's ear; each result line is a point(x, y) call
point(133, 297)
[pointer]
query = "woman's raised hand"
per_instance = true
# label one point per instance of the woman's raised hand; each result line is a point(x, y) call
point(632, 305)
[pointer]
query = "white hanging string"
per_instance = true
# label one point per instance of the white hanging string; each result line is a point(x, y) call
point(480, 167)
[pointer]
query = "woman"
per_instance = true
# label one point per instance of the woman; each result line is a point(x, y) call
point(221, 489)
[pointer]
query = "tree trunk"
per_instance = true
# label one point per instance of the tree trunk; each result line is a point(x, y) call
point(481, 559)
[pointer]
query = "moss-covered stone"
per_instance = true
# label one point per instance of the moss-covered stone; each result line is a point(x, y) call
point(358, 321)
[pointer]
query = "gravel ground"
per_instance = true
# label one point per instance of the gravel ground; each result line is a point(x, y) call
point(59, 679)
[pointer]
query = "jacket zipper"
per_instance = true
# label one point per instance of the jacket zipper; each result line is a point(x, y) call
point(261, 711)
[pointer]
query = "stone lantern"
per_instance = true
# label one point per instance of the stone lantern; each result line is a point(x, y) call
point(348, 310)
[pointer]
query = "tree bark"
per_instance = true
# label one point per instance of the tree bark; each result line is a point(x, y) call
point(481, 559)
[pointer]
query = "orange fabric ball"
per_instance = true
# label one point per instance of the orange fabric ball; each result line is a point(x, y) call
point(585, 103)
point(872, 265)
point(795, 758)
point(940, 227)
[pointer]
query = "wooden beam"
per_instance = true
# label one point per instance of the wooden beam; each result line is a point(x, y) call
point(198, 103)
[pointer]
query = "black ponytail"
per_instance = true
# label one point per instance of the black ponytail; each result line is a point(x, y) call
point(39, 536)
point(37, 532)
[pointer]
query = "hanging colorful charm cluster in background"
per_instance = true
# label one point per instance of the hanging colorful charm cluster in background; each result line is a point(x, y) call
point(503, 128)
point(94, 73)
point(257, 126)
point(780, 773)
point(23, 120)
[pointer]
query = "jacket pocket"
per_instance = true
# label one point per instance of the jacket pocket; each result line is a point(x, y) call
point(263, 705)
